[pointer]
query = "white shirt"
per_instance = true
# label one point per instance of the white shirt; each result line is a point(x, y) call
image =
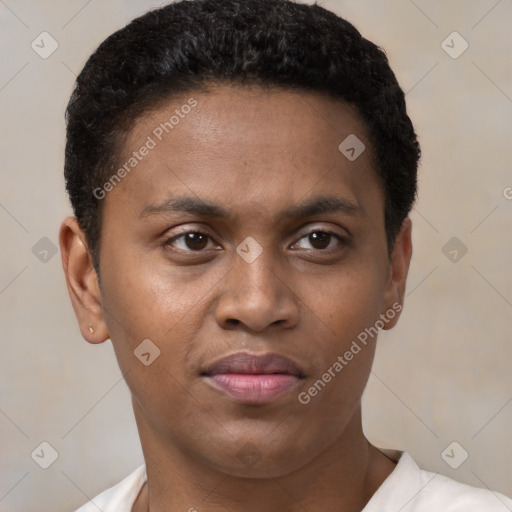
point(406, 489)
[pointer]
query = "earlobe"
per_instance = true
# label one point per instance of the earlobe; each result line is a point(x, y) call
point(398, 271)
point(82, 282)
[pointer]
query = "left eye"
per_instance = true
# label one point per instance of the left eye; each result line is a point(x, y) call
point(320, 240)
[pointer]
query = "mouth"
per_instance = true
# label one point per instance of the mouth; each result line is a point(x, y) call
point(253, 379)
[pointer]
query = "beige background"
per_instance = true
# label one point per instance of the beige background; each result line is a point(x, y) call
point(442, 375)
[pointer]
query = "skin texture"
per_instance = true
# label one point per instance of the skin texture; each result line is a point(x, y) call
point(255, 153)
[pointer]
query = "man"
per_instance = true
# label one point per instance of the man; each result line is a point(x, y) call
point(241, 172)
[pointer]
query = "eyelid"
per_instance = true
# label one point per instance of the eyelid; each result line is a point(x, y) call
point(314, 227)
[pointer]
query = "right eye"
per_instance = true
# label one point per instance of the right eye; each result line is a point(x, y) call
point(190, 241)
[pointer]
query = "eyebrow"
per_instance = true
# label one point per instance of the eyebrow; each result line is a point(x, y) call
point(196, 206)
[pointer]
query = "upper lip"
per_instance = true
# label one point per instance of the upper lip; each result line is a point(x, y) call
point(254, 364)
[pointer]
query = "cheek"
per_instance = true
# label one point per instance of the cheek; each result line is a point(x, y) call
point(346, 308)
point(145, 300)
point(137, 296)
point(349, 300)
point(142, 304)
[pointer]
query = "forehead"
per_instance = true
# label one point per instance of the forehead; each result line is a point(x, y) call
point(275, 118)
point(247, 145)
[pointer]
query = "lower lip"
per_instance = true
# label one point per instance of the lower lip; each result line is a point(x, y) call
point(254, 389)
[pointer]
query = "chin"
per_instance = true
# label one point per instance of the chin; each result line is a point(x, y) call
point(254, 457)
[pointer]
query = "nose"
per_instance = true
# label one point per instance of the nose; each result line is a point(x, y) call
point(255, 296)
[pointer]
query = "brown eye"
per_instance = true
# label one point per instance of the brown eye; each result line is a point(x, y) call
point(191, 241)
point(321, 240)
point(196, 241)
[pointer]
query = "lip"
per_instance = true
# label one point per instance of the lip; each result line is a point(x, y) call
point(253, 378)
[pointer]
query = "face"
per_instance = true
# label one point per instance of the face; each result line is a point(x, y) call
point(244, 230)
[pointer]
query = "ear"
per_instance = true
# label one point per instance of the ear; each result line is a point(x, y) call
point(398, 271)
point(82, 281)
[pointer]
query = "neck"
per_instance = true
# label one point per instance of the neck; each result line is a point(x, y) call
point(343, 476)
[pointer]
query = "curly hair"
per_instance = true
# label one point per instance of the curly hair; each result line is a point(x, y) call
point(189, 44)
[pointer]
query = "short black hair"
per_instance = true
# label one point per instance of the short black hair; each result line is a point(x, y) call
point(190, 44)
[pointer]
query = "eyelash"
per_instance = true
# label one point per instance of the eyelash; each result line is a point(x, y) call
point(343, 241)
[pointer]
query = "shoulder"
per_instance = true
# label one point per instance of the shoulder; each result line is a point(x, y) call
point(411, 489)
point(445, 492)
point(120, 497)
